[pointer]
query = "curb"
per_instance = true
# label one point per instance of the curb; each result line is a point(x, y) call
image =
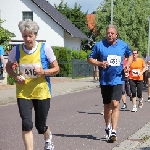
point(138, 141)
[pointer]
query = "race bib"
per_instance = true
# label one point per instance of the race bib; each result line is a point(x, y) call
point(135, 72)
point(114, 60)
point(28, 70)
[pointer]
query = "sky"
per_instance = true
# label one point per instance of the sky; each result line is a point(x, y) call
point(86, 5)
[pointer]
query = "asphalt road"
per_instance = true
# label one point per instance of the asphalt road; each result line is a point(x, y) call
point(75, 122)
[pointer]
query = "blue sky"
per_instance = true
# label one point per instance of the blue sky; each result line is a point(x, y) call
point(87, 5)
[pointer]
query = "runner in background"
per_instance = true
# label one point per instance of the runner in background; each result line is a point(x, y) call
point(145, 74)
point(126, 86)
point(137, 68)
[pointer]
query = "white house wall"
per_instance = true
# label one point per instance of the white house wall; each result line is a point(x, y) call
point(71, 42)
point(49, 30)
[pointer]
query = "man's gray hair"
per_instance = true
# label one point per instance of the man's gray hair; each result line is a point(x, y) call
point(112, 26)
point(28, 25)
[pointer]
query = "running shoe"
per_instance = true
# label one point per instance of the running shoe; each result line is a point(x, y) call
point(140, 104)
point(112, 137)
point(49, 146)
point(108, 132)
point(124, 107)
point(148, 99)
point(134, 109)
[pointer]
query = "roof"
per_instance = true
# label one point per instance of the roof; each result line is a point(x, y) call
point(54, 14)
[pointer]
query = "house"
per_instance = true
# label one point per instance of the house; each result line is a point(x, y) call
point(55, 29)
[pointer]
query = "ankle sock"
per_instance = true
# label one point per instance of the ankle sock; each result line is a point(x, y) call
point(134, 106)
point(108, 127)
point(114, 131)
point(50, 138)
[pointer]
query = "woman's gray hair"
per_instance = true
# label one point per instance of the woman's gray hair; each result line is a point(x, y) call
point(28, 25)
point(112, 26)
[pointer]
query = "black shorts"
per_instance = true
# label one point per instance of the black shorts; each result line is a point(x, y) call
point(41, 108)
point(148, 74)
point(110, 93)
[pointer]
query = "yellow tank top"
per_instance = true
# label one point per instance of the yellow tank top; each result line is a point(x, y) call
point(36, 86)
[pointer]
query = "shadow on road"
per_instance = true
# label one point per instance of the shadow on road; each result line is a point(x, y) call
point(80, 136)
point(82, 112)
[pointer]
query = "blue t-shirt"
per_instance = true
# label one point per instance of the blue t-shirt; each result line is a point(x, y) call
point(114, 54)
point(1, 53)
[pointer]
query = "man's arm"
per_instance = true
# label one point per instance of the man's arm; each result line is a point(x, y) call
point(94, 62)
point(130, 59)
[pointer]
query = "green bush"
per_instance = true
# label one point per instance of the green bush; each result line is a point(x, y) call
point(11, 80)
point(64, 57)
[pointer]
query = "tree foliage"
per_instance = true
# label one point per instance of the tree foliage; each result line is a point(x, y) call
point(5, 36)
point(131, 18)
point(79, 19)
point(74, 15)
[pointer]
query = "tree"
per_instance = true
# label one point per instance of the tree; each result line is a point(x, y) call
point(79, 19)
point(131, 18)
point(5, 36)
point(74, 15)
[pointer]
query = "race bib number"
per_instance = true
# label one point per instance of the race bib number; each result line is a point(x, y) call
point(28, 70)
point(135, 72)
point(114, 60)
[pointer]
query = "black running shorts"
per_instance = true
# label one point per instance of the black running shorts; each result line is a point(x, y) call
point(110, 93)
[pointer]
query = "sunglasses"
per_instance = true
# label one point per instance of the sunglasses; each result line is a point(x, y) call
point(134, 53)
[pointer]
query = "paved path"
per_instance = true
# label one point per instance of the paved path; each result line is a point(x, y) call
point(60, 86)
point(75, 120)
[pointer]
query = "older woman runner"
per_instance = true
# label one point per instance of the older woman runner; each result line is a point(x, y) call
point(33, 82)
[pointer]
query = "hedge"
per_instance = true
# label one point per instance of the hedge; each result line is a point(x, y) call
point(64, 57)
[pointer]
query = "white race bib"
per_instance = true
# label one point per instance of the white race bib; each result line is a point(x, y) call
point(28, 70)
point(114, 60)
point(135, 72)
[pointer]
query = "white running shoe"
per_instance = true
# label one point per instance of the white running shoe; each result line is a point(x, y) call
point(108, 133)
point(49, 144)
point(140, 104)
point(134, 109)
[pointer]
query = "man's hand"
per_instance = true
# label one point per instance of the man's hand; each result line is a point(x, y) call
point(105, 64)
point(126, 68)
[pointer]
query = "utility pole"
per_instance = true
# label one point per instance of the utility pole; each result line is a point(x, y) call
point(112, 11)
point(149, 36)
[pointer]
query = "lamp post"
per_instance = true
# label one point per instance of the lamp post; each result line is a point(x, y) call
point(149, 36)
point(112, 11)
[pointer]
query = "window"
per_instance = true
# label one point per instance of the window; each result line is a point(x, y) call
point(27, 15)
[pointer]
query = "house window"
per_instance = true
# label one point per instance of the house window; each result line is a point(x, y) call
point(27, 15)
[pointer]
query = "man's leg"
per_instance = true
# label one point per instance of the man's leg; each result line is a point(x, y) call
point(107, 115)
point(123, 97)
point(25, 110)
point(115, 99)
point(115, 113)
point(106, 95)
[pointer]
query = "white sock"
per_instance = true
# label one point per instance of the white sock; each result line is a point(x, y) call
point(134, 106)
point(50, 138)
point(113, 131)
point(141, 100)
point(108, 127)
